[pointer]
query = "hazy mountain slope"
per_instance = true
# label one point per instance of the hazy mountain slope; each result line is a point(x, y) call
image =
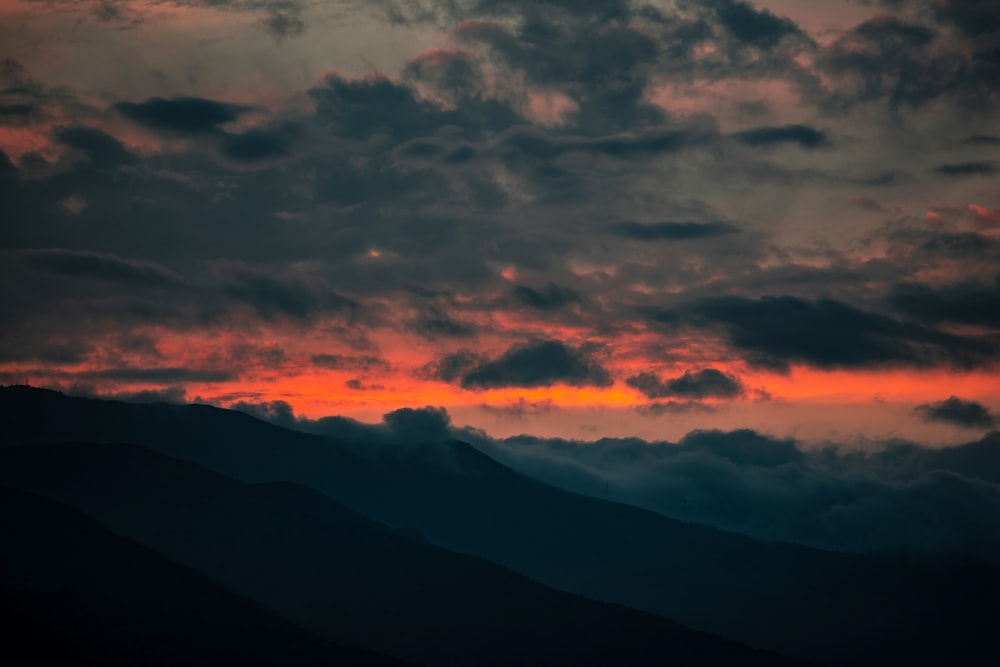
point(831, 607)
point(357, 581)
point(73, 592)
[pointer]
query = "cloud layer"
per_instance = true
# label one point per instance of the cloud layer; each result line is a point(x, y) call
point(653, 208)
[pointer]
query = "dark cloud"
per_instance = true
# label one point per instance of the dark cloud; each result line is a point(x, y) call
point(434, 323)
point(520, 409)
point(82, 264)
point(360, 108)
point(182, 115)
point(966, 303)
point(706, 383)
point(284, 22)
point(745, 447)
point(453, 72)
point(276, 412)
point(341, 362)
point(756, 27)
point(971, 16)
point(536, 364)
point(896, 59)
point(451, 367)
point(260, 143)
point(803, 135)
point(967, 169)
point(551, 297)
point(23, 98)
point(100, 148)
point(163, 375)
point(660, 408)
point(958, 412)
point(419, 425)
point(536, 143)
point(674, 231)
point(777, 331)
point(275, 296)
point(982, 139)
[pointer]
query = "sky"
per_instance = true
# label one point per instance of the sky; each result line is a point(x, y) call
point(566, 218)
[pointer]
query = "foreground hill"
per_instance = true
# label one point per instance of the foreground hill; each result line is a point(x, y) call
point(830, 607)
point(73, 592)
point(349, 578)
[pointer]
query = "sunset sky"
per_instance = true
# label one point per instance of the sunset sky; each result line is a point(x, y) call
point(574, 218)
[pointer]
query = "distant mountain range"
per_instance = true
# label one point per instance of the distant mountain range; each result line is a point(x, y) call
point(346, 577)
point(829, 607)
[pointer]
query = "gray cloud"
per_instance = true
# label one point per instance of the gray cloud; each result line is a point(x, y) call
point(674, 231)
point(803, 135)
point(776, 331)
point(183, 115)
point(706, 383)
point(954, 410)
point(535, 364)
point(967, 169)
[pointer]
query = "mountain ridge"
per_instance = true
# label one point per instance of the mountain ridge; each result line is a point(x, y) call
point(824, 606)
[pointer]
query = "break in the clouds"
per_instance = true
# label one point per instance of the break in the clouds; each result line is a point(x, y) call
point(634, 214)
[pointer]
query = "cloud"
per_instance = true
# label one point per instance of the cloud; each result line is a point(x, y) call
point(99, 266)
point(181, 115)
point(341, 362)
point(803, 135)
point(520, 409)
point(674, 231)
point(550, 298)
point(967, 169)
point(887, 496)
point(756, 27)
point(964, 303)
point(161, 375)
point(706, 383)
point(899, 60)
point(260, 143)
point(100, 148)
point(419, 425)
point(284, 22)
point(958, 412)
point(434, 323)
point(973, 17)
point(536, 364)
point(274, 296)
point(891, 496)
point(774, 332)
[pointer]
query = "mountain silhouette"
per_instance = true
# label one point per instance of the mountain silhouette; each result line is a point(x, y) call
point(340, 574)
point(830, 607)
point(74, 592)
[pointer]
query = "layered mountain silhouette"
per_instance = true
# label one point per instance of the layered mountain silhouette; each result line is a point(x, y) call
point(74, 592)
point(339, 574)
point(830, 607)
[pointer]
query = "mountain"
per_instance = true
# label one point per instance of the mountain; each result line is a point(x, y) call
point(340, 574)
point(73, 592)
point(829, 607)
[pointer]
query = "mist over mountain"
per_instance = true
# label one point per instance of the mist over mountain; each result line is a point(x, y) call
point(833, 608)
point(892, 496)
